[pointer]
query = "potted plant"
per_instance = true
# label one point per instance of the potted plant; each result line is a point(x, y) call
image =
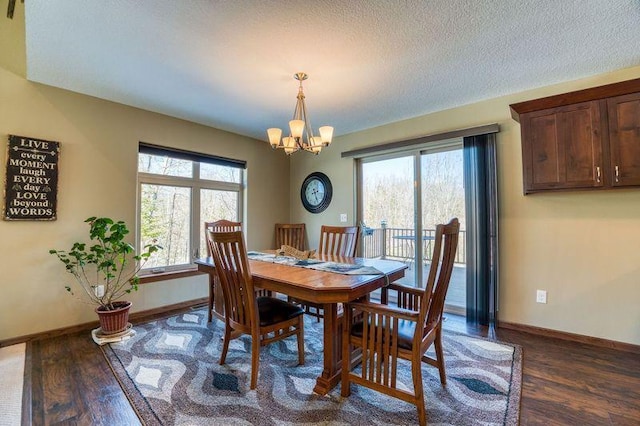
point(106, 269)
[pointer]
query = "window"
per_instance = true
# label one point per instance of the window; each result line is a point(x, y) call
point(178, 191)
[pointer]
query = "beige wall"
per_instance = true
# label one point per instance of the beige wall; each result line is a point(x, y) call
point(582, 247)
point(97, 172)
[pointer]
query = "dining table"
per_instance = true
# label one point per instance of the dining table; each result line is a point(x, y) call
point(330, 289)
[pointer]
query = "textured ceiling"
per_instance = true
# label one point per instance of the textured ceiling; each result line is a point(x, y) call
point(230, 64)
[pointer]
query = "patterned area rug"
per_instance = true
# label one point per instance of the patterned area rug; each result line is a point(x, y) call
point(170, 372)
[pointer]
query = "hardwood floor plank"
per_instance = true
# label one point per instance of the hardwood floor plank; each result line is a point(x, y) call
point(534, 414)
point(73, 384)
point(62, 395)
point(625, 412)
point(627, 419)
point(601, 379)
point(571, 399)
point(36, 416)
point(102, 393)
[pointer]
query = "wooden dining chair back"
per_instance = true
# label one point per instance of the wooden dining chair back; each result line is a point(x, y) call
point(386, 334)
point(290, 234)
point(214, 291)
point(339, 240)
point(220, 226)
point(265, 319)
point(216, 304)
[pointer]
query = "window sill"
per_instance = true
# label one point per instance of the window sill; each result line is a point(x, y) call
point(171, 275)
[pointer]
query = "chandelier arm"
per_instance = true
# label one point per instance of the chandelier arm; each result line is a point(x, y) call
point(309, 129)
point(300, 113)
point(296, 116)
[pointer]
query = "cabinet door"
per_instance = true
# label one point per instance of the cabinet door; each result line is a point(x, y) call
point(624, 139)
point(562, 148)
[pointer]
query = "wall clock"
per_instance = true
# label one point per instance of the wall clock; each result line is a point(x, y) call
point(316, 192)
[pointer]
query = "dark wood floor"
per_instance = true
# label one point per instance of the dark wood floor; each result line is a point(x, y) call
point(564, 383)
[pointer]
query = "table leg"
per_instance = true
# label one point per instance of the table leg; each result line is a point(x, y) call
point(210, 274)
point(330, 376)
point(216, 298)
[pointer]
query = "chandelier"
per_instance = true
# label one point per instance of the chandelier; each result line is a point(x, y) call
point(300, 131)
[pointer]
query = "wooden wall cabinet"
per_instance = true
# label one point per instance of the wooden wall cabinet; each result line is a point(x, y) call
point(589, 139)
point(624, 139)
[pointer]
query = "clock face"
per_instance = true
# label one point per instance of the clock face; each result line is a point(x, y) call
point(316, 192)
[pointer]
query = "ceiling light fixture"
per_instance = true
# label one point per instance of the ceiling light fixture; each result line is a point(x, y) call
point(300, 131)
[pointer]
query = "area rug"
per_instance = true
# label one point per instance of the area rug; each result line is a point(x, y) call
point(169, 370)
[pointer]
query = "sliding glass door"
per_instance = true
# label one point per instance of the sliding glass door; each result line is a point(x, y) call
point(401, 199)
point(442, 194)
point(387, 215)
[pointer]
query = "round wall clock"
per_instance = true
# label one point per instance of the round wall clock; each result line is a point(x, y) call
point(316, 192)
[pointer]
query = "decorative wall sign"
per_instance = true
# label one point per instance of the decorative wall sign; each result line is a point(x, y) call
point(31, 184)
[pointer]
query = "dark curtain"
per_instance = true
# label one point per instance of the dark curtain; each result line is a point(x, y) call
point(481, 204)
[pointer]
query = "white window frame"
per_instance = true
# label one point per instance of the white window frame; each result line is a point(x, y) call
point(196, 184)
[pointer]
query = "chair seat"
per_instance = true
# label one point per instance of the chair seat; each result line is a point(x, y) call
point(406, 330)
point(272, 310)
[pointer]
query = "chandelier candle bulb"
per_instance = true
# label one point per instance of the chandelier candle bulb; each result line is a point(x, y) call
point(289, 144)
point(296, 127)
point(326, 133)
point(274, 136)
point(316, 144)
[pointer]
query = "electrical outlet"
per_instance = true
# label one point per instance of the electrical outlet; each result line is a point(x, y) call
point(343, 217)
point(541, 296)
point(99, 290)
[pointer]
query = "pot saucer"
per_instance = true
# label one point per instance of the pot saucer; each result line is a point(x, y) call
point(124, 332)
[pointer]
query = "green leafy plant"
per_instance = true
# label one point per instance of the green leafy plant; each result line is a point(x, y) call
point(107, 268)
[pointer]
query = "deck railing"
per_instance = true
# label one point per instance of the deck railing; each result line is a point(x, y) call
point(397, 243)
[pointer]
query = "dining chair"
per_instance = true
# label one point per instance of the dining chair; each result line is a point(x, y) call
point(291, 234)
point(265, 319)
point(221, 226)
point(337, 241)
point(214, 293)
point(386, 334)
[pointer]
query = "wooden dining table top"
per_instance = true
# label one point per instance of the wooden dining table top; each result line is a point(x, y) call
point(322, 286)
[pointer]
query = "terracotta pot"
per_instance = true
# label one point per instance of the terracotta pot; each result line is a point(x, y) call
point(114, 321)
